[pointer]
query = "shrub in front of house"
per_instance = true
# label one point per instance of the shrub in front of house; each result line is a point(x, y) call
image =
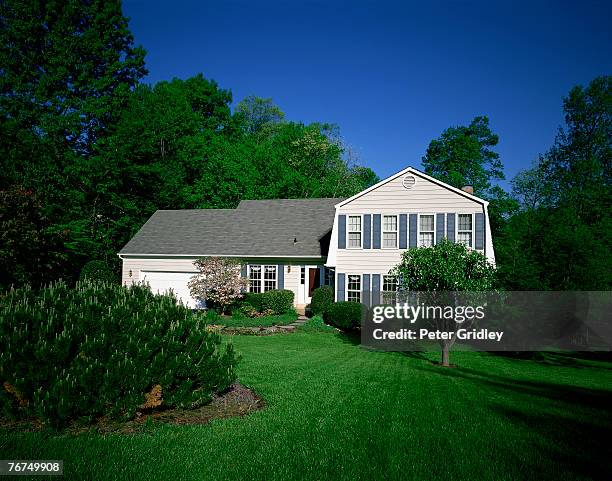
point(97, 270)
point(344, 315)
point(277, 301)
point(322, 299)
point(101, 349)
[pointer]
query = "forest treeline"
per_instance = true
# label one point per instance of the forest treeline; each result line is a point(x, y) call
point(88, 152)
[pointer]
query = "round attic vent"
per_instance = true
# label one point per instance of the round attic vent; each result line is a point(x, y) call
point(409, 181)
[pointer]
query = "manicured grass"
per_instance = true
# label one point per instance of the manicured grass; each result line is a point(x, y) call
point(337, 411)
point(264, 321)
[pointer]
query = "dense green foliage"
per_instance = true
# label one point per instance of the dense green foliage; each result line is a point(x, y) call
point(99, 348)
point(322, 298)
point(239, 319)
point(444, 267)
point(344, 315)
point(100, 151)
point(97, 271)
point(353, 414)
point(276, 301)
point(562, 236)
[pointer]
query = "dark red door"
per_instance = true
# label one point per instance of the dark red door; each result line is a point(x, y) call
point(313, 280)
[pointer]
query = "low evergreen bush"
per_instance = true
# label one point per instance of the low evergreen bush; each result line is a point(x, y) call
point(322, 298)
point(100, 348)
point(275, 302)
point(97, 270)
point(345, 315)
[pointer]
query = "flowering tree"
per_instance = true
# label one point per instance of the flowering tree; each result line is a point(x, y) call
point(218, 281)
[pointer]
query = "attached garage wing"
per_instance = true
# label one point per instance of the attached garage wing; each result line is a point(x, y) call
point(162, 282)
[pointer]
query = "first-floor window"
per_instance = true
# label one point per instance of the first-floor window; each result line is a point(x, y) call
point(389, 289)
point(262, 278)
point(426, 231)
point(254, 278)
point(269, 278)
point(353, 288)
point(464, 230)
point(330, 275)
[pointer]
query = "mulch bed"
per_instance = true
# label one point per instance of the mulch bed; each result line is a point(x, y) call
point(253, 331)
point(238, 400)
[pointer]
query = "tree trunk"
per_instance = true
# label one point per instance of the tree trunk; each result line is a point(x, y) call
point(445, 354)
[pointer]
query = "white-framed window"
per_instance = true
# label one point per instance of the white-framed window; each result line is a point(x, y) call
point(270, 276)
point(262, 278)
point(330, 275)
point(354, 231)
point(254, 278)
point(353, 288)
point(390, 232)
point(465, 224)
point(389, 289)
point(426, 230)
point(302, 275)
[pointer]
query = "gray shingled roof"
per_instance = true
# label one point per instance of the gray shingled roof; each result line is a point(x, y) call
point(254, 228)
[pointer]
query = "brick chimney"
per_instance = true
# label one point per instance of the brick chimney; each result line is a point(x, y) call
point(468, 188)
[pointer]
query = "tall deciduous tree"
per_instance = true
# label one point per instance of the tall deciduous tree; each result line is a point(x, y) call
point(463, 155)
point(257, 113)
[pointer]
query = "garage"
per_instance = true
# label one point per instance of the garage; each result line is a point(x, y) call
point(161, 282)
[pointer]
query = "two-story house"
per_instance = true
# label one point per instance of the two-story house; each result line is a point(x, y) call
point(300, 244)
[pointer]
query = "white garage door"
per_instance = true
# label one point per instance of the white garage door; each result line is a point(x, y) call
point(161, 282)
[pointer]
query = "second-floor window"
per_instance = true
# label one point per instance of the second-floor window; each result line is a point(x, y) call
point(464, 229)
point(390, 231)
point(354, 231)
point(426, 230)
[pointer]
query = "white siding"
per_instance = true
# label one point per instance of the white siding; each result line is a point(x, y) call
point(426, 197)
point(140, 265)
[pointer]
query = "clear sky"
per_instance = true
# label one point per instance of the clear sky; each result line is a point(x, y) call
point(392, 75)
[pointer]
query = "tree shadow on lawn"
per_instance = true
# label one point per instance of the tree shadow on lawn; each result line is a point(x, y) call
point(575, 359)
point(579, 444)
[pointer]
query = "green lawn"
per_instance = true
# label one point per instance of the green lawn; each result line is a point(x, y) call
point(337, 411)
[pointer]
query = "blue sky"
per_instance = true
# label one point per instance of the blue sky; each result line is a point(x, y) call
point(392, 75)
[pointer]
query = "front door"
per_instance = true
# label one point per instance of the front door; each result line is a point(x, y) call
point(314, 280)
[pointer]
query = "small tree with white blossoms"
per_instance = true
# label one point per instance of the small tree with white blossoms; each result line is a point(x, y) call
point(218, 281)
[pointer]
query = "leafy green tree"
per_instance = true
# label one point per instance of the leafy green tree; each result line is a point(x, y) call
point(258, 113)
point(562, 238)
point(30, 252)
point(463, 155)
point(446, 267)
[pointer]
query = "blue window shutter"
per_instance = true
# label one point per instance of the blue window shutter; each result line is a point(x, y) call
point(321, 275)
point(340, 288)
point(439, 228)
point(280, 273)
point(365, 290)
point(341, 231)
point(376, 232)
point(367, 231)
point(375, 289)
point(403, 231)
point(413, 230)
point(480, 232)
point(450, 227)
